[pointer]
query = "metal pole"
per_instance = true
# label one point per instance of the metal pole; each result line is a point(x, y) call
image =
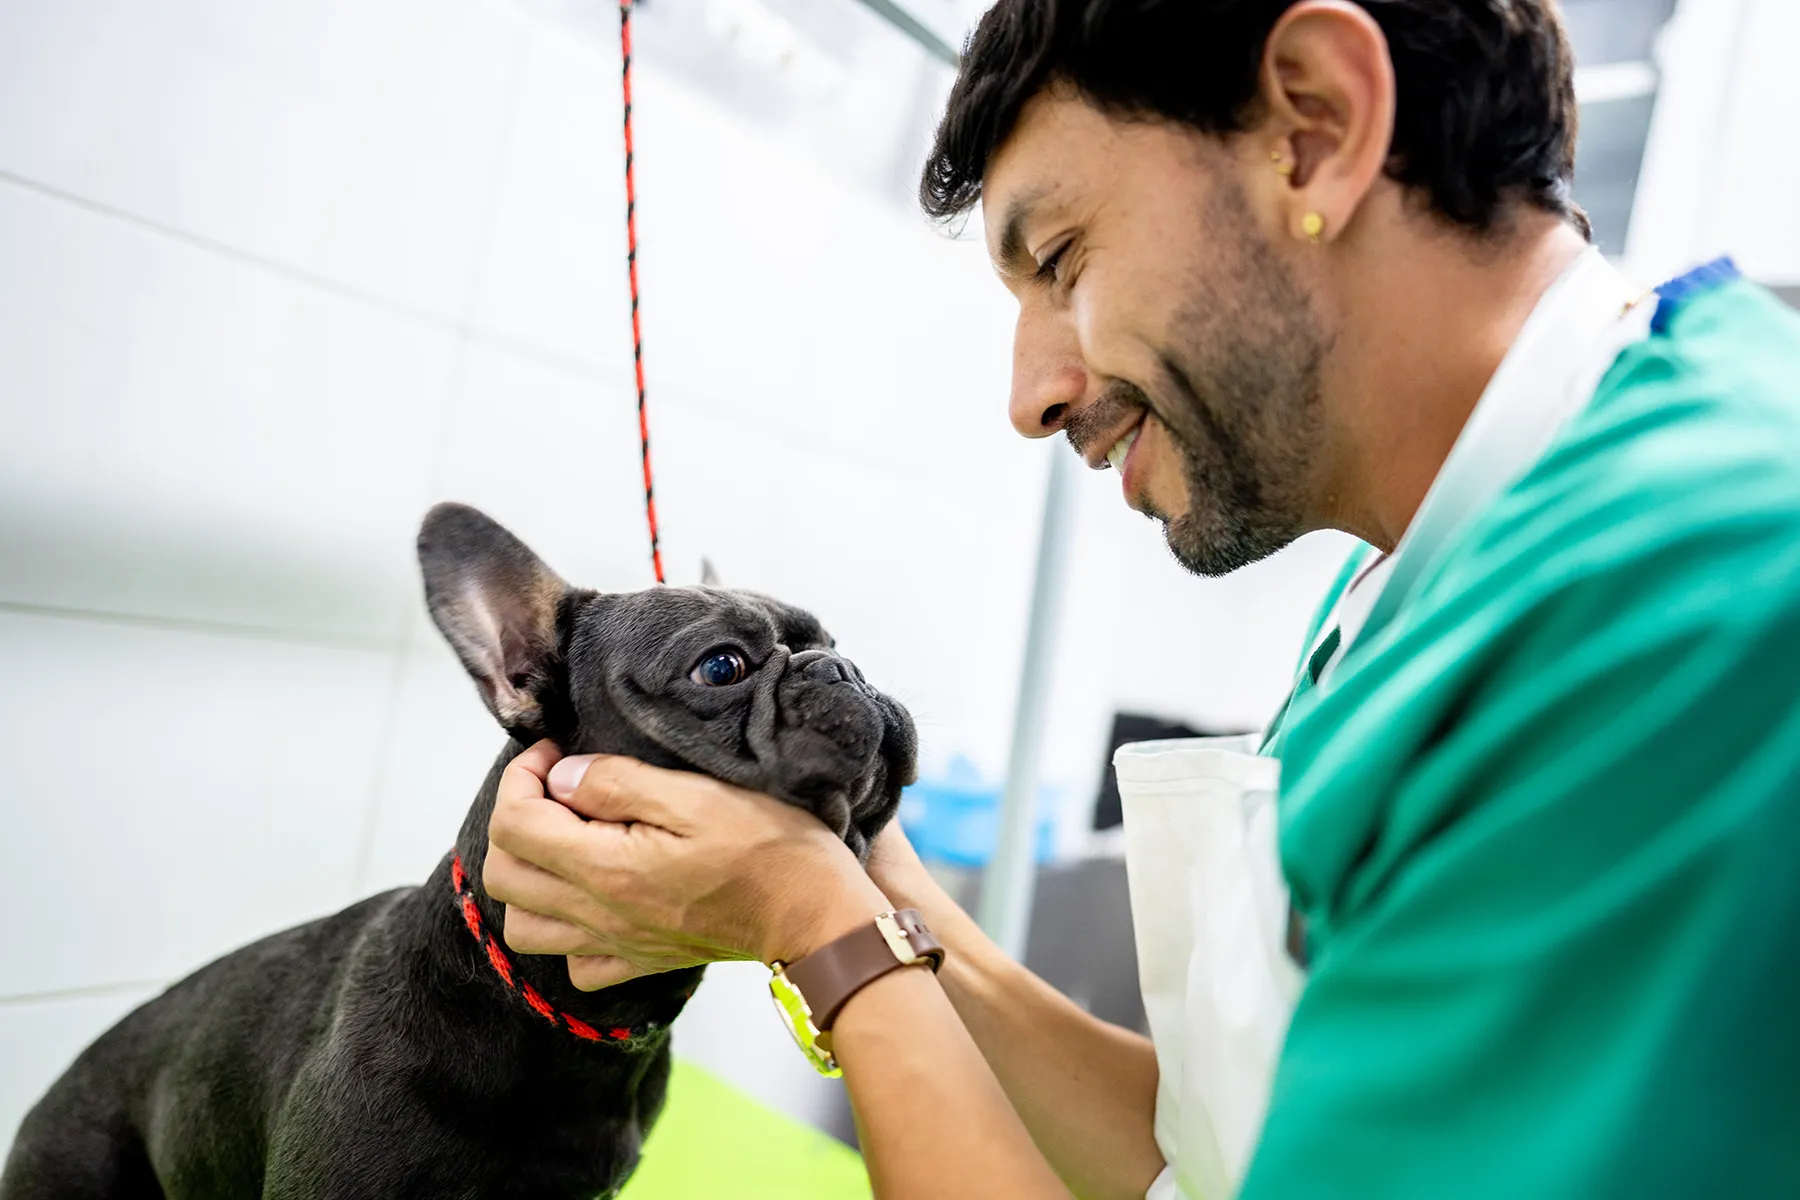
point(1007, 884)
point(916, 26)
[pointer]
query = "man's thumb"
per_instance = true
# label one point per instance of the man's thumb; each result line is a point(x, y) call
point(566, 776)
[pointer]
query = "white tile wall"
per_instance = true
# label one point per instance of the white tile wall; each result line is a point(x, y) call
point(553, 272)
point(1752, 210)
point(439, 746)
point(189, 436)
point(171, 794)
point(353, 141)
point(774, 291)
point(553, 454)
point(1709, 183)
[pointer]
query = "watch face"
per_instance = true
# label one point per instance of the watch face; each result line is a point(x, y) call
point(798, 1019)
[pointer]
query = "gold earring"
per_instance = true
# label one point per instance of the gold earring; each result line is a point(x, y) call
point(1281, 168)
point(1312, 224)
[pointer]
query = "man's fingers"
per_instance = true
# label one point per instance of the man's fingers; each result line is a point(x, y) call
point(590, 973)
point(521, 807)
point(607, 860)
point(536, 760)
point(530, 826)
point(613, 788)
point(533, 933)
point(518, 883)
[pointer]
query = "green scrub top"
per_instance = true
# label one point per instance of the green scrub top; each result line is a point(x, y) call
point(1544, 825)
point(1319, 651)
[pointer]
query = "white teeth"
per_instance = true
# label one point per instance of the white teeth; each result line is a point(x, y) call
point(1122, 447)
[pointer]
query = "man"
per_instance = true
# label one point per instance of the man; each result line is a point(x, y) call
point(1298, 265)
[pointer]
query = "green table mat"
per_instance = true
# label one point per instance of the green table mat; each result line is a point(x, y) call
point(715, 1143)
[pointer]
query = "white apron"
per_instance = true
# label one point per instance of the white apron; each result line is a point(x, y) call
point(1209, 903)
point(1218, 984)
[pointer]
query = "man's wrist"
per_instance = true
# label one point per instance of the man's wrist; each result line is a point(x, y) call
point(825, 915)
point(926, 980)
point(899, 872)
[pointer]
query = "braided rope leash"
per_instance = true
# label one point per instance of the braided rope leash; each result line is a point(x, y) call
point(463, 893)
point(631, 249)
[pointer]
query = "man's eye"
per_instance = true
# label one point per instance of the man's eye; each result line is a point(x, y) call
point(721, 668)
point(1048, 269)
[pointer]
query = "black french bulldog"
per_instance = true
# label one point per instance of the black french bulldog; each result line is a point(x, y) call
point(397, 1049)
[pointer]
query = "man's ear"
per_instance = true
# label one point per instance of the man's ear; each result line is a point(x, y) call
point(496, 603)
point(1327, 89)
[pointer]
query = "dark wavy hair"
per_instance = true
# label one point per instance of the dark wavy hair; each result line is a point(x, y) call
point(1485, 113)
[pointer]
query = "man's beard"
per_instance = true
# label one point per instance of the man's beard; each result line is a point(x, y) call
point(1240, 388)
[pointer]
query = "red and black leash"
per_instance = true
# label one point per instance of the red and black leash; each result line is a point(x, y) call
point(462, 890)
point(637, 330)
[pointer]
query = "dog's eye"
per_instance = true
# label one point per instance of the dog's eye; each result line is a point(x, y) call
point(720, 668)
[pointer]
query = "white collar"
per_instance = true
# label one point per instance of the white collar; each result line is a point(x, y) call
point(1579, 327)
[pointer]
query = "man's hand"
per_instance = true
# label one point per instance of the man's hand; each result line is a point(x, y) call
point(632, 870)
point(900, 874)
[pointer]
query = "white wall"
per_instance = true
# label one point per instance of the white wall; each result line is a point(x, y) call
point(1721, 174)
point(275, 277)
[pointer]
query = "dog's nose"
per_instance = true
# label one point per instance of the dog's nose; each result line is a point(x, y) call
point(825, 669)
point(821, 666)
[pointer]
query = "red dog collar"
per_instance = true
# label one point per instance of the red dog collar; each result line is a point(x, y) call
point(464, 896)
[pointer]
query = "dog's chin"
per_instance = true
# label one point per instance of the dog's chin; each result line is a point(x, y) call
point(862, 835)
point(839, 772)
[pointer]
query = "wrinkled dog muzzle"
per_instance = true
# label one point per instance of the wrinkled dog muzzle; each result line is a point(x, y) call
point(841, 749)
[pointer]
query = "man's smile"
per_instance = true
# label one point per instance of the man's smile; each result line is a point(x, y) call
point(1119, 445)
point(1122, 447)
point(1126, 459)
point(1102, 446)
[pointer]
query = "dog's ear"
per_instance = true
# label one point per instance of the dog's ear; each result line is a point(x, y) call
point(496, 603)
point(708, 576)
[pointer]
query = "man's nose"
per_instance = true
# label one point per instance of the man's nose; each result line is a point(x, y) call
point(1049, 377)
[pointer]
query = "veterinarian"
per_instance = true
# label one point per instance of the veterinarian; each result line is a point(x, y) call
point(1535, 927)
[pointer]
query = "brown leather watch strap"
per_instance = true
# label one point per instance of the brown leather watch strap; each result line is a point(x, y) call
point(839, 969)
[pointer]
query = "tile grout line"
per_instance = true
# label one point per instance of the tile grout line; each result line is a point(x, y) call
point(84, 992)
point(225, 250)
point(260, 633)
point(464, 327)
